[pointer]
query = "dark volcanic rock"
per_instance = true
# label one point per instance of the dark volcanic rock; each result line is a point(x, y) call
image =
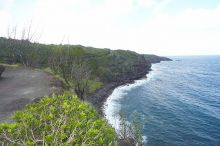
point(2, 68)
point(140, 69)
point(126, 142)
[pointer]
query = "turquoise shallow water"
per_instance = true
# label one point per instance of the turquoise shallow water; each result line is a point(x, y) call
point(180, 102)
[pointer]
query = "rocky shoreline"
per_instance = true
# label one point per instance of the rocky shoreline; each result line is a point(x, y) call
point(99, 97)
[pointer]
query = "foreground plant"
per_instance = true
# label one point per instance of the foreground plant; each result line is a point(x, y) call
point(57, 120)
point(130, 133)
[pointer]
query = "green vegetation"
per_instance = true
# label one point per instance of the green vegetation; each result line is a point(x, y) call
point(64, 119)
point(131, 133)
point(9, 65)
point(94, 85)
point(58, 120)
point(155, 59)
point(105, 65)
point(83, 69)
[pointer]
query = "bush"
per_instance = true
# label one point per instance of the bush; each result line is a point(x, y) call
point(58, 120)
point(2, 68)
point(130, 133)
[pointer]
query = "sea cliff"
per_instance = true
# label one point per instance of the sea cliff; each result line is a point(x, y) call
point(107, 68)
point(143, 68)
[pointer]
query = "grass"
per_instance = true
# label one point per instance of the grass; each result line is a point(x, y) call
point(10, 65)
point(56, 76)
point(94, 85)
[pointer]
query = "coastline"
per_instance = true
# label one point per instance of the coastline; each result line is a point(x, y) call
point(113, 105)
point(100, 96)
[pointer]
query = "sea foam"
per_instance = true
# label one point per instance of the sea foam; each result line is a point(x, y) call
point(112, 106)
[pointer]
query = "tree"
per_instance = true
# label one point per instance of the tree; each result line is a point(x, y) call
point(60, 61)
point(130, 133)
point(80, 74)
point(72, 69)
point(22, 51)
point(136, 129)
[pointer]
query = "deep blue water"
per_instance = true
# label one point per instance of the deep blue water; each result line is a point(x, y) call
point(180, 102)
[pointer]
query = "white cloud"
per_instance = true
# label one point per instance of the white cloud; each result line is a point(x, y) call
point(100, 24)
point(161, 5)
point(6, 4)
point(146, 3)
point(83, 21)
point(4, 22)
point(190, 32)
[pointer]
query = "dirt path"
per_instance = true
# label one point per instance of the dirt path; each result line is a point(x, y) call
point(20, 86)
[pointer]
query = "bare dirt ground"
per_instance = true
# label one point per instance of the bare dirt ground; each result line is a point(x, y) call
point(20, 86)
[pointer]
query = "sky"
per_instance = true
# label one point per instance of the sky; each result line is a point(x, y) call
point(161, 27)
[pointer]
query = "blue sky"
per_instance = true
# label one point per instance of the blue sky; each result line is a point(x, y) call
point(163, 27)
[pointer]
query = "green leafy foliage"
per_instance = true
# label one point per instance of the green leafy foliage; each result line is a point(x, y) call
point(58, 120)
point(131, 132)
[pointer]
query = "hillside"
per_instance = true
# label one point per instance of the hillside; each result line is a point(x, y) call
point(104, 69)
point(105, 64)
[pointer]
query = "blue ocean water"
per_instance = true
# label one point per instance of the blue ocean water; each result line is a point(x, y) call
point(180, 101)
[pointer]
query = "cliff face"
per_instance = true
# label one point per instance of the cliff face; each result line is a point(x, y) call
point(139, 70)
point(139, 67)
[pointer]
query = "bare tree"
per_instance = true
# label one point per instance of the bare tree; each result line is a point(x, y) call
point(72, 69)
point(22, 49)
point(60, 62)
point(11, 35)
point(81, 75)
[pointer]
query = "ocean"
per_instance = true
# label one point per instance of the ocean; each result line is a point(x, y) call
point(179, 102)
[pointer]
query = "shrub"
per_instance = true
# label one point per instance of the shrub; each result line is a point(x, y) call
point(58, 120)
point(130, 133)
